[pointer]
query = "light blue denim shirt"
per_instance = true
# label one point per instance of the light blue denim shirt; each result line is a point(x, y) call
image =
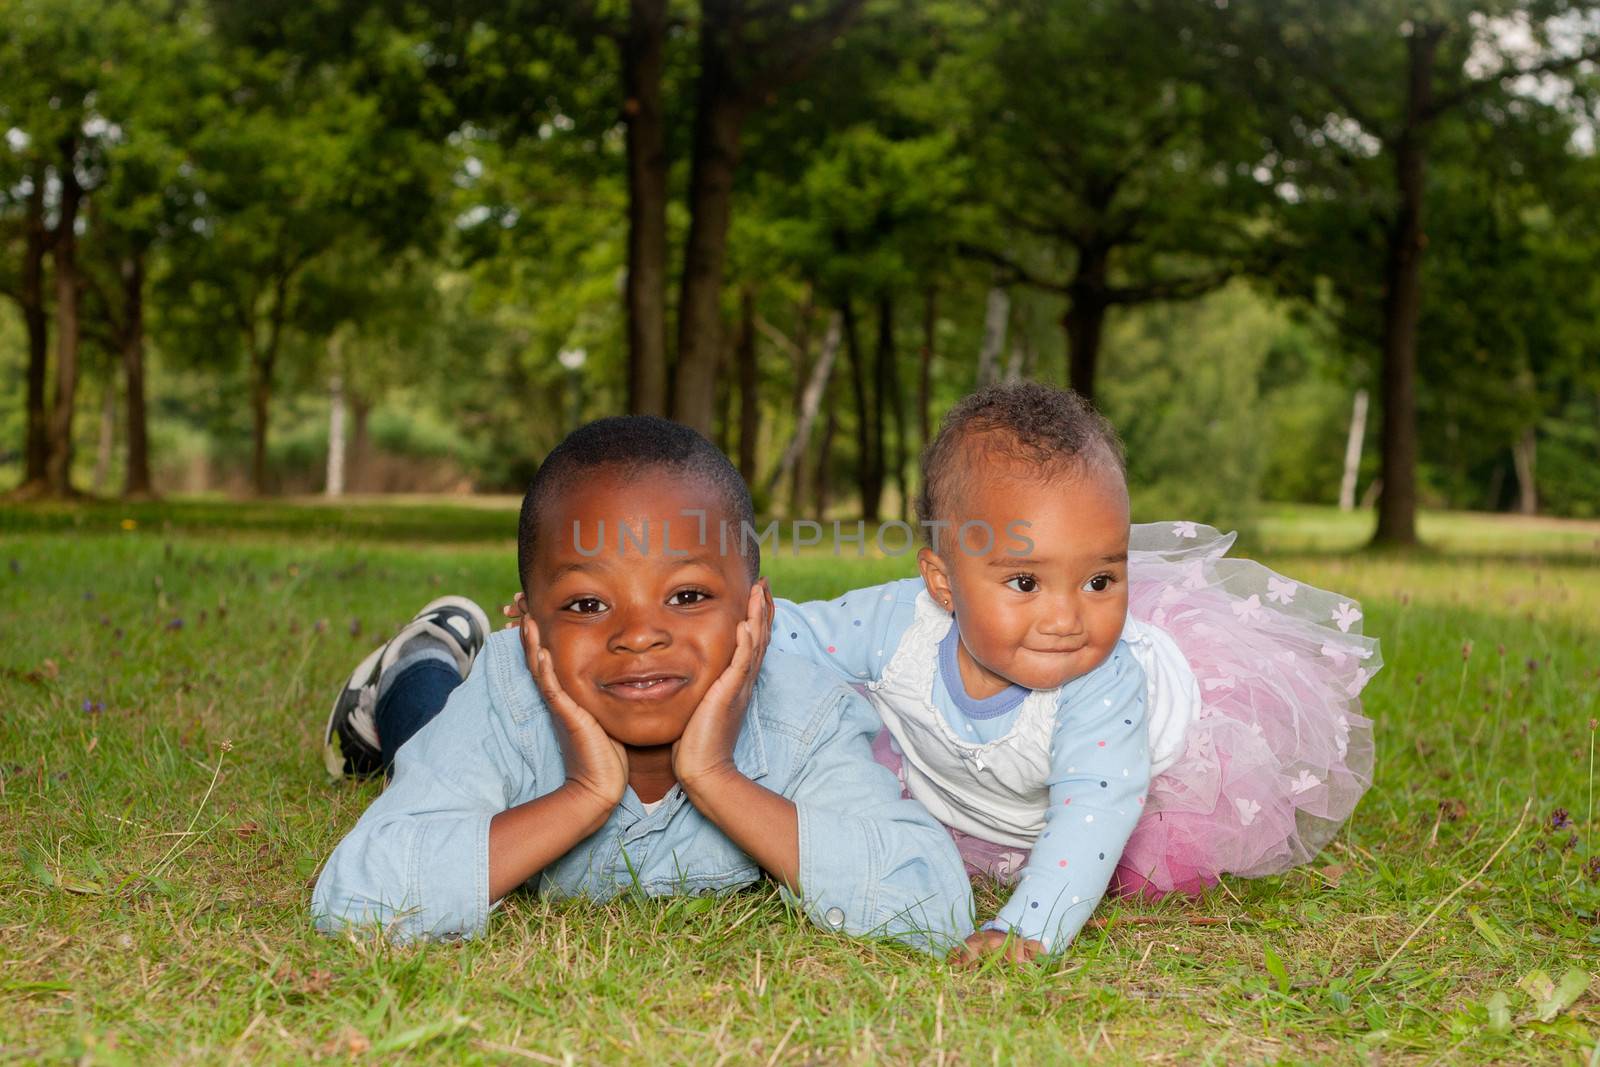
point(871, 862)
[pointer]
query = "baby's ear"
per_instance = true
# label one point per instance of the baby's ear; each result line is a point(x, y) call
point(935, 577)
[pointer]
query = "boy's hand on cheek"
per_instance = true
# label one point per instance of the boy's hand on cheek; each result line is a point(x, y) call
point(705, 751)
point(596, 765)
point(515, 610)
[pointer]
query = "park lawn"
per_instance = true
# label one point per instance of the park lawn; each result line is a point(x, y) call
point(164, 811)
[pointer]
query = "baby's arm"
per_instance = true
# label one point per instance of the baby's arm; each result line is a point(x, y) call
point(1099, 776)
point(871, 861)
point(854, 635)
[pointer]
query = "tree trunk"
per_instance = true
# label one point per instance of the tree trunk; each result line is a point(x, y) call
point(260, 402)
point(106, 441)
point(799, 471)
point(334, 486)
point(1522, 454)
point(722, 405)
point(36, 443)
point(749, 394)
point(889, 386)
point(58, 469)
point(1085, 319)
point(824, 478)
point(810, 401)
point(643, 61)
point(996, 310)
point(1402, 304)
point(1352, 452)
point(719, 115)
point(869, 460)
point(136, 480)
point(360, 442)
point(930, 319)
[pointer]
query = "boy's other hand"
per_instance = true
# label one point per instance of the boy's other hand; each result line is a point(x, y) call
point(515, 610)
point(990, 944)
point(706, 748)
point(596, 763)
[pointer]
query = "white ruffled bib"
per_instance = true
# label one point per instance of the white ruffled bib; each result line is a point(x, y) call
point(998, 790)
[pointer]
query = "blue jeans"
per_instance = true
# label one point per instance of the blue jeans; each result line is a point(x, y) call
point(410, 702)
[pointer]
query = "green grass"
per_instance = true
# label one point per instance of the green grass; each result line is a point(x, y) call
point(154, 884)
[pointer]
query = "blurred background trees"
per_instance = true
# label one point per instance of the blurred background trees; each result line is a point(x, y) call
point(371, 246)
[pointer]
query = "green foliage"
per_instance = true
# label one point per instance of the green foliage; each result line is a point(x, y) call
point(1182, 390)
point(430, 201)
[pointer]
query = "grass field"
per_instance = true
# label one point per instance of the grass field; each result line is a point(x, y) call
point(164, 672)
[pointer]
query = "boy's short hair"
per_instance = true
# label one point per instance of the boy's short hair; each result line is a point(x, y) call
point(634, 444)
point(1025, 423)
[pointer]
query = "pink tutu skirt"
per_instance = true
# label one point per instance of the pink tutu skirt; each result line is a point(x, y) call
point(1279, 753)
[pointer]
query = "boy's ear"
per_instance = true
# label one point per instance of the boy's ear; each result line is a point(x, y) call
point(935, 578)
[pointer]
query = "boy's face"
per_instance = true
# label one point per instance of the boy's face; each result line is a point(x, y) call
point(637, 636)
point(1040, 617)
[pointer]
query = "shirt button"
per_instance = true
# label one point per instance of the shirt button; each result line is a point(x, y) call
point(834, 917)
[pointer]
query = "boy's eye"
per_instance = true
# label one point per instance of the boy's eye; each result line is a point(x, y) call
point(1023, 583)
point(1099, 583)
point(685, 597)
point(586, 605)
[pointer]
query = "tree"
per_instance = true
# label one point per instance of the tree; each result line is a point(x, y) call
point(1108, 166)
point(57, 57)
point(305, 170)
point(746, 55)
point(26, 231)
point(1355, 93)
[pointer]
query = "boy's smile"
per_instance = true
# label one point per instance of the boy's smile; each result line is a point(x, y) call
point(639, 625)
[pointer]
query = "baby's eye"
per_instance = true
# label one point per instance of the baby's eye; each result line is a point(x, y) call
point(1099, 583)
point(1023, 583)
point(686, 597)
point(586, 605)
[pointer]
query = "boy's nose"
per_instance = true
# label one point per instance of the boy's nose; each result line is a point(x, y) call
point(638, 630)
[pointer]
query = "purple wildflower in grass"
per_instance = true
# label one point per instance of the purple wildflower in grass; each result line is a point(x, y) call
point(1559, 819)
point(175, 624)
point(93, 707)
point(1592, 868)
point(1570, 843)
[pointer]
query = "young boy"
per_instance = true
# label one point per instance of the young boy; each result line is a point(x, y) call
point(634, 732)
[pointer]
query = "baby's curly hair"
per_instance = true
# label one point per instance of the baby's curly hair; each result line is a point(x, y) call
point(1021, 423)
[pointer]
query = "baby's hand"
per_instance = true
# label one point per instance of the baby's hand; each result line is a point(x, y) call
point(515, 610)
point(596, 764)
point(706, 747)
point(985, 944)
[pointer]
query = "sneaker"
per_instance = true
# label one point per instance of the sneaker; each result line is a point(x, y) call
point(350, 742)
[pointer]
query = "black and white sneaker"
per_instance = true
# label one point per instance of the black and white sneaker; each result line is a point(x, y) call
point(350, 742)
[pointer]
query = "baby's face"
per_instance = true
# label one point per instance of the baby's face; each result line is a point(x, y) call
point(637, 636)
point(1045, 615)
